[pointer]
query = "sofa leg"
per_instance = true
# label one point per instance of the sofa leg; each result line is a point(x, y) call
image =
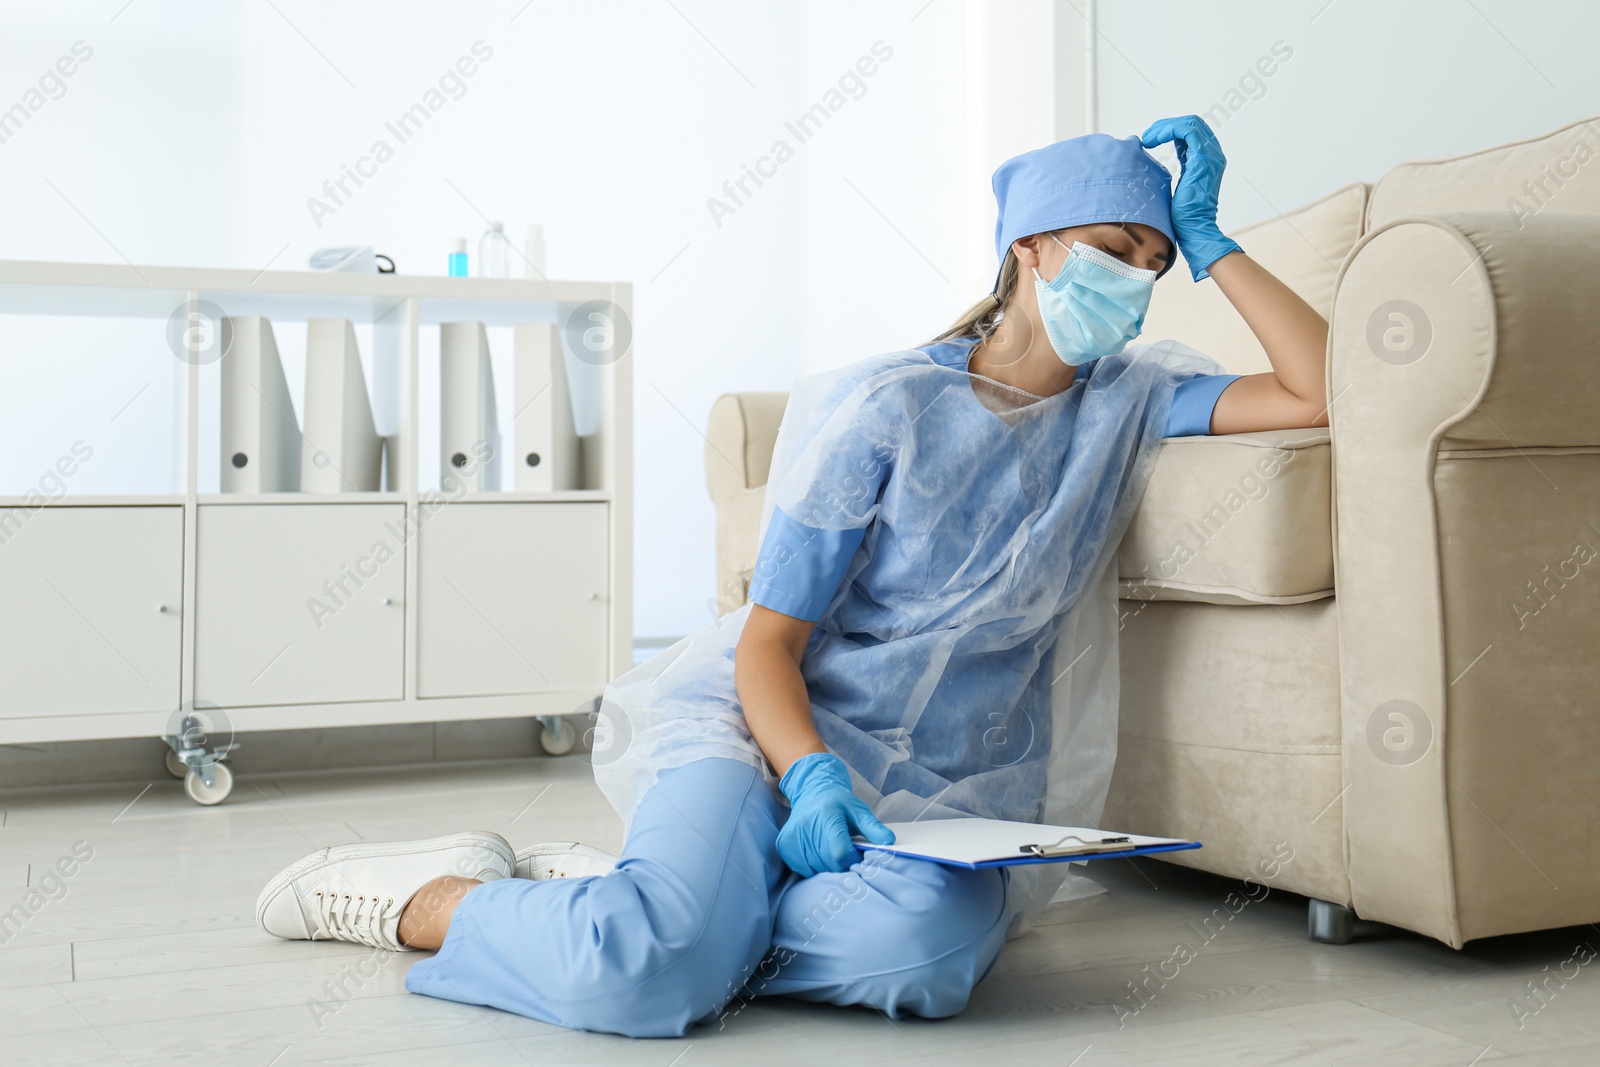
point(1331, 924)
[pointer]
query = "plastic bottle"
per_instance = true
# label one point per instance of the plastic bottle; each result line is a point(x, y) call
point(533, 253)
point(458, 258)
point(494, 252)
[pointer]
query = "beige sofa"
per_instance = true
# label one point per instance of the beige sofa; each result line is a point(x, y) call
point(1362, 663)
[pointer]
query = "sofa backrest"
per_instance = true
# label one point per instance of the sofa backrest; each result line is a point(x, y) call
point(1303, 248)
point(1558, 171)
point(740, 435)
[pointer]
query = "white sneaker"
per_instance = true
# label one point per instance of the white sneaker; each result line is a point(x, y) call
point(357, 892)
point(562, 859)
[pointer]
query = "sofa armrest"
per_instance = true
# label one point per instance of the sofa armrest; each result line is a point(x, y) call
point(1464, 371)
point(740, 434)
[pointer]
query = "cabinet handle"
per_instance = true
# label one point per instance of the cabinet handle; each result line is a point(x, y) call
point(163, 609)
point(388, 602)
point(594, 596)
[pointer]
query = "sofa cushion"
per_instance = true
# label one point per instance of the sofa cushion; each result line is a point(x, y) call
point(1559, 171)
point(1234, 519)
point(1230, 733)
point(1303, 248)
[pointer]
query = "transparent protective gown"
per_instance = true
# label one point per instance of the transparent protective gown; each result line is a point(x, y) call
point(967, 664)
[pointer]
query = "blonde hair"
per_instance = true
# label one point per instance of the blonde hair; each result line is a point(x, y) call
point(980, 320)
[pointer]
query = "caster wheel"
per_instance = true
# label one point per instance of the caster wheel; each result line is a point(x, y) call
point(215, 793)
point(559, 739)
point(175, 766)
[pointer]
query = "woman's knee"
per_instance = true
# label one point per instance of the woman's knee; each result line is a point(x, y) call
point(907, 936)
point(958, 936)
point(909, 909)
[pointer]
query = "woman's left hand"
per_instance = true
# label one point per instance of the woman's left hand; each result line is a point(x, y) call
point(1194, 202)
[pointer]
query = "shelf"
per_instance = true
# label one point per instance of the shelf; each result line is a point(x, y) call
point(98, 500)
point(301, 498)
point(120, 290)
point(514, 497)
point(566, 496)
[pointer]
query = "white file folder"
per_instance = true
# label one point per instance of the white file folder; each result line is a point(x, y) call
point(342, 452)
point(469, 427)
point(546, 455)
point(258, 432)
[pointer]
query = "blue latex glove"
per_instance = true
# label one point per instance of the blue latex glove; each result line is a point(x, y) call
point(1194, 201)
point(823, 813)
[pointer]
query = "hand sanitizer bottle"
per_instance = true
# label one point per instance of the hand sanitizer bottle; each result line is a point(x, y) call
point(458, 258)
point(494, 252)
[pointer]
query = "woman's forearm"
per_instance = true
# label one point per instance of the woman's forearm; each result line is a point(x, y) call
point(1294, 335)
point(772, 692)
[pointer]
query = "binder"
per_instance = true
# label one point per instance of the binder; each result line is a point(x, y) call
point(469, 429)
point(980, 843)
point(342, 452)
point(259, 436)
point(546, 454)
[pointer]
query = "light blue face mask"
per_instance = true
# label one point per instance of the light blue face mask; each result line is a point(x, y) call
point(1094, 305)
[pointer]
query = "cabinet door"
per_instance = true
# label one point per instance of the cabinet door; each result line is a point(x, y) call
point(83, 630)
point(512, 599)
point(299, 603)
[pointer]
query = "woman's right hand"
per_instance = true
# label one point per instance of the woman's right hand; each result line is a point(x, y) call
point(824, 812)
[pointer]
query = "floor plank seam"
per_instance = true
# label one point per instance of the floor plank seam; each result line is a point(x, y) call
point(1413, 1022)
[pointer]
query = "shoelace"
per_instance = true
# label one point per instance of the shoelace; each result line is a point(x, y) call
point(359, 918)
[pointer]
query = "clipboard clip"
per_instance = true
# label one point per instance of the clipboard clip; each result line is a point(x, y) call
point(1056, 848)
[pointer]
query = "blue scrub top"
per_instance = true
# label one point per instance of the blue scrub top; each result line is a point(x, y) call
point(815, 561)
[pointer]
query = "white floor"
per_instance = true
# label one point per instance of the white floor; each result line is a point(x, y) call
point(148, 954)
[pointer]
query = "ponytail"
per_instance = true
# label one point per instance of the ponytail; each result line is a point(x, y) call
point(979, 321)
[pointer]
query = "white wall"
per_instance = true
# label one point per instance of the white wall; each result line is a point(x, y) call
point(128, 158)
point(197, 132)
point(1368, 84)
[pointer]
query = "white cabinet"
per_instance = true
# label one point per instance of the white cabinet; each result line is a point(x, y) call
point(92, 601)
point(300, 603)
point(512, 598)
point(310, 610)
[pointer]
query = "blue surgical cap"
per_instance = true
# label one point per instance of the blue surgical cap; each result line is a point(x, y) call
point(1082, 180)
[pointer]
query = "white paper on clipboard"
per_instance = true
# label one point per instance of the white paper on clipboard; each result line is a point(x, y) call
point(993, 842)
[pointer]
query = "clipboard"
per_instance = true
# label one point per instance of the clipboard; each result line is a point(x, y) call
point(977, 844)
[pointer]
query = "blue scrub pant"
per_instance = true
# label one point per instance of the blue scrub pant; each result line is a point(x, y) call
point(701, 910)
